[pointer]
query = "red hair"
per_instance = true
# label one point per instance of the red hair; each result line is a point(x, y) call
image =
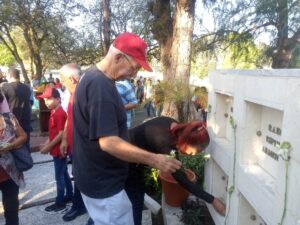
point(193, 133)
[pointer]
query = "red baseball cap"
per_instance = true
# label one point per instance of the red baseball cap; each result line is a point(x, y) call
point(49, 93)
point(134, 46)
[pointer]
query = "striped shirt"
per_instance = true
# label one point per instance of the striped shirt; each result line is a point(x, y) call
point(127, 94)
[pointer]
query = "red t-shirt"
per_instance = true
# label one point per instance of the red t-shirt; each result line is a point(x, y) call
point(70, 124)
point(57, 121)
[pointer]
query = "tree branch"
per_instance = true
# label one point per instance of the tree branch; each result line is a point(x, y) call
point(294, 41)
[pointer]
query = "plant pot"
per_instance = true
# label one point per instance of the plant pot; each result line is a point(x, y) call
point(174, 193)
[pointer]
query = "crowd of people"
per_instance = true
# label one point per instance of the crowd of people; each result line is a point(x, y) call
point(15, 111)
point(141, 92)
point(93, 129)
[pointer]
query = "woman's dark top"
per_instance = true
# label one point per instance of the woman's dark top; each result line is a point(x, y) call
point(155, 136)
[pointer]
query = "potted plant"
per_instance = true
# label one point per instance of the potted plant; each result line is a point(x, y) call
point(193, 166)
point(175, 195)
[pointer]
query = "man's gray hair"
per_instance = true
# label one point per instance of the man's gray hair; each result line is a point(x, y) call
point(71, 70)
point(114, 51)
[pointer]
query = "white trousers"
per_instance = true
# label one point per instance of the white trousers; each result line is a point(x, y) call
point(114, 210)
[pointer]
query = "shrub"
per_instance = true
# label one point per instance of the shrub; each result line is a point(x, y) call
point(152, 183)
point(196, 164)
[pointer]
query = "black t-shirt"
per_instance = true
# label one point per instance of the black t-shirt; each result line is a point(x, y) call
point(155, 136)
point(97, 112)
point(18, 98)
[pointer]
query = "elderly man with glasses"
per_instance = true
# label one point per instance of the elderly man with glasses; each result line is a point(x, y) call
point(100, 136)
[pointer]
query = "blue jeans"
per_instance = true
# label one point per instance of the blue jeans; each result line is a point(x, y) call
point(77, 199)
point(63, 180)
point(158, 110)
point(149, 109)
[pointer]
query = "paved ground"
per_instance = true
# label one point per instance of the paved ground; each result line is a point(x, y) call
point(40, 187)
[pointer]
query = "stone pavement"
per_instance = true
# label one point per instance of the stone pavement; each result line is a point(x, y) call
point(40, 189)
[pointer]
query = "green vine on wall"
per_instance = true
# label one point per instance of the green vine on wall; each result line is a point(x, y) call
point(284, 153)
point(231, 189)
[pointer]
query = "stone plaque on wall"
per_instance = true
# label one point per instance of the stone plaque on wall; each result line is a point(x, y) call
point(271, 128)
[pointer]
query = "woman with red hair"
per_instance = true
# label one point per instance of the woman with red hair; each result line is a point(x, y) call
point(162, 135)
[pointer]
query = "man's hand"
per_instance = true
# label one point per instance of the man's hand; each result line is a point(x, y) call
point(63, 147)
point(166, 164)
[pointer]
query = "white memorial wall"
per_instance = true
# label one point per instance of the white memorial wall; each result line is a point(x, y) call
point(251, 114)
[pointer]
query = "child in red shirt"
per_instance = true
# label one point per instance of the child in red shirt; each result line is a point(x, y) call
point(56, 126)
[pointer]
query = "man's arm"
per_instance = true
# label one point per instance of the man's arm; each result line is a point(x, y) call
point(130, 153)
point(128, 96)
point(132, 101)
point(47, 148)
point(130, 105)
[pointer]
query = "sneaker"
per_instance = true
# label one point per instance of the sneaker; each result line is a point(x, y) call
point(55, 207)
point(73, 213)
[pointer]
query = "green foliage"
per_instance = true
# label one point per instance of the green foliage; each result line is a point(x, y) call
point(243, 53)
point(228, 51)
point(195, 163)
point(172, 91)
point(193, 216)
point(21, 44)
point(230, 190)
point(195, 212)
point(158, 94)
point(286, 145)
point(232, 123)
point(152, 183)
point(202, 64)
point(277, 20)
point(178, 93)
point(201, 95)
point(295, 61)
point(6, 58)
point(40, 32)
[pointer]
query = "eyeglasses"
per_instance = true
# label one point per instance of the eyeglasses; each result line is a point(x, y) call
point(133, 68)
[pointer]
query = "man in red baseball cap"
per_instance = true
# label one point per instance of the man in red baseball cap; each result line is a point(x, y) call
point(126, 56)
point(101, 151)
point(134, 47)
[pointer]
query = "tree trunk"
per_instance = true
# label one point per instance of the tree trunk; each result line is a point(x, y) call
point(39, 68)
point(169, 107)
point(180, 59)
point(34, 49)
point(162, 28)
point(282, 56)
point(105, 4)
point(23, 69)
point(24, 72)
point(32, 69)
